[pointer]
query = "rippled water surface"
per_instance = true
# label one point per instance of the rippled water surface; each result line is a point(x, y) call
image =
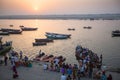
point(98, 38)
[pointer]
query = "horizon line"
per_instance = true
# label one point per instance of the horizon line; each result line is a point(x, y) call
point(63, 14)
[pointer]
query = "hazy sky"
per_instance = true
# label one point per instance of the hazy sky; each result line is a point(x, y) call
point(43, 7)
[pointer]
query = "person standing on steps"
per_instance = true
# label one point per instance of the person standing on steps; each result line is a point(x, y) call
point(5, 60)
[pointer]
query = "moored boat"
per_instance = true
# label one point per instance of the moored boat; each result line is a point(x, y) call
point(7, 29)
point(43, 40)
point(49, 33)
point(39, 43)
point(49, 58)
point(87, 27)
point(11, 25)
point(27, 28)
point(5, 47)
point(50, 36)
point(116, 33)
point(71, 29)
point(14, 32)
point(4, 33)
point(5, 50)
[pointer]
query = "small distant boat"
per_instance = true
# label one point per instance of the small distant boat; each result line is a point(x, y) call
point(11, 25)
point(49, 33)
point(87, 27)
point(39, 43)
point(71, 29)
point(56, 36)
point(43, 40)
point(27, 28)
point(116, 33)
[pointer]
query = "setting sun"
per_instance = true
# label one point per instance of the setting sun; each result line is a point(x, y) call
point(36, 8)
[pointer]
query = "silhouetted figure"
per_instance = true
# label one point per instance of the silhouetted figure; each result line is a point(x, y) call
point(21, 54)
point(69, 77)
point(109, 77)
point(90, 69)
point(15, 73)
point(5, 60)
point(26, 58)
point(101, 58)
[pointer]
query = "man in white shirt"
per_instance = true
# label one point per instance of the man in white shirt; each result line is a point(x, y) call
point(63, 77)
point(45, 67)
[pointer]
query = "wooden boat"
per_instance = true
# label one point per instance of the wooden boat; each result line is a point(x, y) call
point(43, 57)
point(39, 43)
point(43, 40)
point(49, 33)
point(38, 57)
point(56, 36)
point(11, 25)
point(71, 29)
point(4, 33)
point(7, 29)
point(87, 27)
point(14, 32)
point(52, 58)
point(49, 58)
point(116, 33)
point(4, 48)
point(27, 28)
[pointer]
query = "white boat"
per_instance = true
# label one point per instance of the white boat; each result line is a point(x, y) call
point(49, 33)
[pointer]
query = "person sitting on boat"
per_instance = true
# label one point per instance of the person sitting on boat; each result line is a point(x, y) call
point(41, 54)
point(26, 58)
point(21, 54)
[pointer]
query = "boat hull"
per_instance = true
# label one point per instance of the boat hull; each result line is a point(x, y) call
point(39, 43)
point(56, 36)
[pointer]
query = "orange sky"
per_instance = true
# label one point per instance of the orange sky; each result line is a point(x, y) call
point(42, 7)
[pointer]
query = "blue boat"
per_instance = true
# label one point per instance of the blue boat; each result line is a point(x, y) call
point(56, 36)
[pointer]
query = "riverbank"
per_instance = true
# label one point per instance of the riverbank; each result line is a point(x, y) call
point(36, 72)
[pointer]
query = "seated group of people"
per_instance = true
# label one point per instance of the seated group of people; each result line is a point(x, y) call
point(18, 59)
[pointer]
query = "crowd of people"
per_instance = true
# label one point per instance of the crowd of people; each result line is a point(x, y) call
point(16, 60)
point(89, 66)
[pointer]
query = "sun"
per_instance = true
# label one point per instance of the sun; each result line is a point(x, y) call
point(35, 8)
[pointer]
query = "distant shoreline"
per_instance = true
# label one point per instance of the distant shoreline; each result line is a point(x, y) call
point(65, 17)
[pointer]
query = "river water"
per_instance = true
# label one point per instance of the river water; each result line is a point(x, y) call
point(98, 39)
